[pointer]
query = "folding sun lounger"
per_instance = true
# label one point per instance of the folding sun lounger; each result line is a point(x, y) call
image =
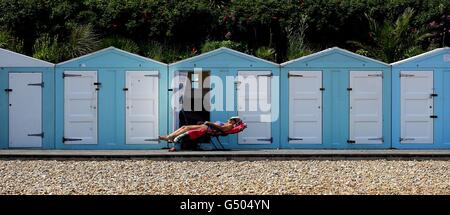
point(191, 137)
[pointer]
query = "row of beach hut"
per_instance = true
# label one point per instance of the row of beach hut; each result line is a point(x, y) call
point(333, 99)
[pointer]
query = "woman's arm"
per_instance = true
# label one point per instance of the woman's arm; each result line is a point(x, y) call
point(224, 128)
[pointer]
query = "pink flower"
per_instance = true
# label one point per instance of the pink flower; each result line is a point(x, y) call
point(228, 35)
point(433, 24)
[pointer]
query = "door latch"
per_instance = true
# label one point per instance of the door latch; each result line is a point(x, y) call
point(156, 139)
point(294, 138)
point(351, 141)
point(98, 84)
point(406, 139)
point(8, 90)
point(433, 116)
point(349, 89)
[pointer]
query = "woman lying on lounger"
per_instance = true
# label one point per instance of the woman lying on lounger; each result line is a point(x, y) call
point(224, 127)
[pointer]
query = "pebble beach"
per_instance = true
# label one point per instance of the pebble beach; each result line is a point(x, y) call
point(140, 176)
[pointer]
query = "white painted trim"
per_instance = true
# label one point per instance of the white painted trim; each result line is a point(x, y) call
point(323, 52)
point(108, 49)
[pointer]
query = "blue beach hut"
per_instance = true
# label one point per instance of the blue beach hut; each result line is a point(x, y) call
point(221, 79)
point(421, 101)
point(335, 99)
point(26, 102)
point(110, 99)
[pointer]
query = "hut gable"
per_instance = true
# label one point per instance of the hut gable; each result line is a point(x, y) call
point(436, 58)
point(224, 57)
point(334, 57)
point(110, 58)
point(13, 59)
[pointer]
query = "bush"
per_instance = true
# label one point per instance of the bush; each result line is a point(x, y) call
point(47, 48)
point(82, 40)
point(7, 41)
point(163, 52)
point(121, 43)
point(212, 45)
point(266, 53)
point(296, 39)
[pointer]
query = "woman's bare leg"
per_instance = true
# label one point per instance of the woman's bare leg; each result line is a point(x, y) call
point(179, 131)
point(182, 130)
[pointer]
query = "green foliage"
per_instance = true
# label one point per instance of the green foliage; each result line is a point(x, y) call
point(47, 48)
point(7, 41)
point(266, 53)
point(182, 27)
point(296, 39)
point(121, 43)
point(82, 40)
point(211, 45)
point(166, 53)
point(393, 40)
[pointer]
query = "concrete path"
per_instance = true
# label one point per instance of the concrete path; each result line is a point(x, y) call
point(231, 155)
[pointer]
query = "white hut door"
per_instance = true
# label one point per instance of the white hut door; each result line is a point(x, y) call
point(80, 107)
point(142, 107)
point(305, 107)
point(253, 96)
point(25, 110)
point(366, 107)
point(416, 89)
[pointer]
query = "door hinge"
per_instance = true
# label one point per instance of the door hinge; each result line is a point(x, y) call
point(37, 135)
point(152, 75)
point(170, 90)
point(294, 75)
point(294, 138)
point(377, 138)
point(265, 139)
point(405, 75)
point(265, 75)
point(351, 141)
point(349, 89)
point(433, 116)
point(125, 89)
point(37, 84)
point(70, 75)
point(8, 90)
point(406, 139)
point(71, 139)
point(322, 89)
point(376, 75)
point(155, 139)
